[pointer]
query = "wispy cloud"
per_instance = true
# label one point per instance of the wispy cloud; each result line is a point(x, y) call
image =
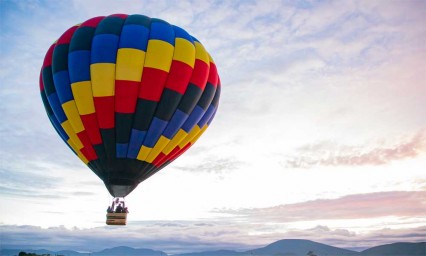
point(212, 165)
point(333, 154)
point(401, 204)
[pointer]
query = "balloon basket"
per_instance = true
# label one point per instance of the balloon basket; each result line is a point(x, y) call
point(116, 219)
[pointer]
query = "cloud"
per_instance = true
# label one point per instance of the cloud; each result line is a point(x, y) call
point(332, 154)
point(212, 165)
point(27, 183)
point(190, 237)
point(400, 204)
point(177, 236)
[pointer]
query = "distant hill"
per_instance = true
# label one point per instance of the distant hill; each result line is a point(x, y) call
point(286, 247)
point(15, 252)
point(397, 249)
point(116, 251)
point(128, 251)
point(69, 253)
point(300, 247)
point(212, 253)
point(295, 247)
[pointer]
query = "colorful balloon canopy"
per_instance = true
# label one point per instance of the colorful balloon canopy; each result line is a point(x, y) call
point(128, 94)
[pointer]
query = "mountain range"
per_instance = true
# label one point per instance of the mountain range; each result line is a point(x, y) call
point(286, 247)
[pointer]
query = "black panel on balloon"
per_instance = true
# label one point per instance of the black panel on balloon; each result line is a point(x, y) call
point(207, 96)
point(144, 112)
point(168, 104)
point(190, 98)
point(108, 138)
point(123, 127)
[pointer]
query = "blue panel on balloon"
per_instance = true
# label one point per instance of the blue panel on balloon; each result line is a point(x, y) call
point(62, 85)
point(210, 111)
point(193, 118)
point(179, 32)
point(134, 36)
point(104, 48)
point(162, 30)
point(175, 124)
point(121, 150)
point(56, 107)
point(136, 140)
point(155, 129)
point(79, 66)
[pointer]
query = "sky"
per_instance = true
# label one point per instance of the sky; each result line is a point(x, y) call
point(320, 132)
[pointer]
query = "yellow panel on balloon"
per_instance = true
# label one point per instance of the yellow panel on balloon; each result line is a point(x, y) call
point(103, 79)
point(130, 64)
point(71, 134)
point(73, 116)
point(180, 135)
point(199, 134)
point(156, 150)
point(190, 136)
point(201, 53)
point(184, 51)
point(159, 55)
point(82, 92)
point(143, 153)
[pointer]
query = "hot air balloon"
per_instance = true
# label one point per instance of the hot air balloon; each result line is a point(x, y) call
point(128, 94)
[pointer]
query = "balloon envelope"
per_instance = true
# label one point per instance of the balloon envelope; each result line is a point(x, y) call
point(128, 94)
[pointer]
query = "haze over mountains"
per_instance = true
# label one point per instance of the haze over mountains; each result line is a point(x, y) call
point(286, 247)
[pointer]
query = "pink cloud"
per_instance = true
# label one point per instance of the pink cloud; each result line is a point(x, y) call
point(330, 154)
point(397, 203)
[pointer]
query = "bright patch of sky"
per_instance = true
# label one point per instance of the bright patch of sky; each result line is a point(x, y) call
point(322, 103)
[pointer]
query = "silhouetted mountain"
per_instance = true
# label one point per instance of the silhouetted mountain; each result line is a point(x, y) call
point(69, 253)
point(296, 247)
point(9, 252)
point(116, 251)
point(397, 249)
point(128, 251)
point(286, 247)
point(15, 252)
point(212, 253)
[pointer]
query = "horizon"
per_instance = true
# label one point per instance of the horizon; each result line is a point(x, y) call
point(238, 251)
point(320, 132)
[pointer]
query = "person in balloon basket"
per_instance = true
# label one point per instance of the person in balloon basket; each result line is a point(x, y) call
point(119, 209)
point(111, 208)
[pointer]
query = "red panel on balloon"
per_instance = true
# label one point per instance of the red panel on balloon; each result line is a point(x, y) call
point(90, 123)
point(66, 37)
point(179, 76)
point(92, 22)
point(105, 111)
point(213, 77)
point(200, 74)
point(126, 95)
point(152, 84)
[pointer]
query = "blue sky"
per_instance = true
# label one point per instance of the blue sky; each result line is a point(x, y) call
point(320, 132)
